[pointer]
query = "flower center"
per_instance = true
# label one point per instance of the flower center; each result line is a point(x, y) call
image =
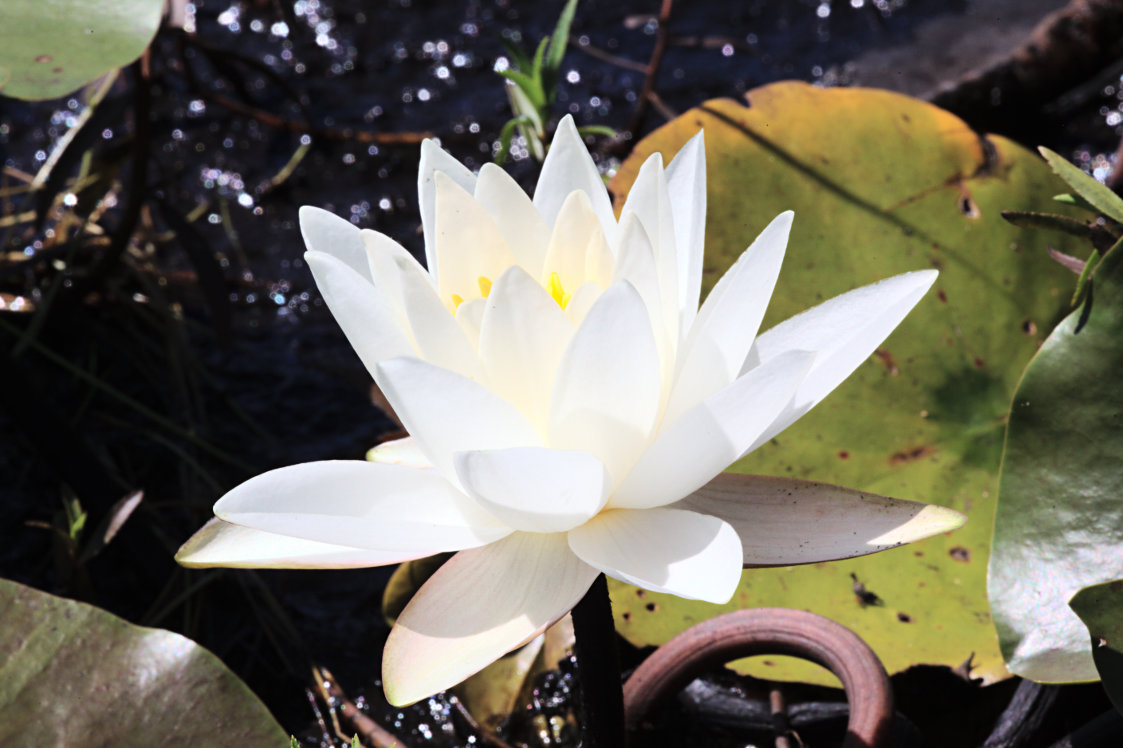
point(553, 287)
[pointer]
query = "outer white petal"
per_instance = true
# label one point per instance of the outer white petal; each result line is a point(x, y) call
point(665, 550)
point(783, 521)
point(447, 413)
point(568, 167)
point(469, 243)
point(361, 309)
point(434, 159)
point(522, 338)
point(533, 488)
point(436, 335)
point(712, 434)
point(725, 327)
point(583, 299)
point(477, 607)
point(220, 543)
point(399, 452)
point(326, 232)
point(470, 317)
point(606, 396)
point(843, 332)
point(526, 233)
point(358, 504)
point(686, 187)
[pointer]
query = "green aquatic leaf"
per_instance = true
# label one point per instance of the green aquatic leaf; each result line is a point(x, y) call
point(882, 184)
point(73, 674)
point(1100, 607)
point(49, 48)
point(1059, 523)
point(1096, 194)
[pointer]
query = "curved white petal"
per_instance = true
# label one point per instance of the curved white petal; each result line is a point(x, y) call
point(649, 201)
point(220, 543)
point(606, 396)
point(477, 607)
point(711, 435)
point(447, 413)
point(361, 505)
point(724, 329)
point(686, 188)
point(533, 488)
point(470, 317)
point(361, 310)
point(326, 232)
point(387, 262)
point(526, 233)
point(399, 452)
point(582, 301)
point(843, 332)
point(434, 159)
point(568, 167)
point(575, 230)
point(783, 521)
point(470, 245)
point(522, 338)
point(664, 550)
point(635, 263)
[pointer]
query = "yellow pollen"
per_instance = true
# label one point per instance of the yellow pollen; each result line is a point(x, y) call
point(485, 285)
point(554, 288)
point(457, 300)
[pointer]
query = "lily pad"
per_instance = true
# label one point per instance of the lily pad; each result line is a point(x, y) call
point(882, 184)
point(49, 48)
point(1100, 607)
point(1059, 524)
point(73, 674)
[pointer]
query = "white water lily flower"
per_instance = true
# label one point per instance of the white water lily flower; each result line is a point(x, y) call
point(570, 410)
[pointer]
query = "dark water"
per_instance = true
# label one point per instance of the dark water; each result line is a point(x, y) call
point(376, 68)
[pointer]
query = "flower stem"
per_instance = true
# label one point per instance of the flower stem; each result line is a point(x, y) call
point(598, 669)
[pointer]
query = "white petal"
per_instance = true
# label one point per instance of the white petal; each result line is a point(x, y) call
point(574, 231)
point(434, 159)
point(436, 335)
point(582, 301)
point(220, 543)
point(469, 243)
point(326, 232)
point(686, 187)
point(477, 607)
point(399, 452)
point(712, 434)
point(725, 327)
point(568, 167)
point(447, 413)
point(359, 504)
point(522, 338)
point(606, 396)
point(470, 317)
point(526, 233)
point(361, 310)
point(843, 332)
point(783, 521)
point(649, 200)
point(533, 488)
point(635, 263)
point(664, 550)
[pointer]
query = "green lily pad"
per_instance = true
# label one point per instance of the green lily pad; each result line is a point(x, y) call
point(73, 674)
point(1100, 607)
point(49, 48)
point(1059, 524)
point(882, 184)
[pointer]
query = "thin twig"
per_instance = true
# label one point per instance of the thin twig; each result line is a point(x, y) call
point(652, 69)
point(373, 733)
point(611, 59)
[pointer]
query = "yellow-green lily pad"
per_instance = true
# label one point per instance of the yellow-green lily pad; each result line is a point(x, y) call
point(881, 184)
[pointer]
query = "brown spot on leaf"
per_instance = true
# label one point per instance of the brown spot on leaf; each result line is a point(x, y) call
point(1029, 328)
point(918, 554)
point(844, 455)
point(641, 593)
point(904, 617)
point(56, 70)
point(651, 607)
point(887, 358)
point(941, 295)
point(967, 206)
point(979, 363)
point(626, 616)
point(911, 455)
point(43, 58)
point(959, 553)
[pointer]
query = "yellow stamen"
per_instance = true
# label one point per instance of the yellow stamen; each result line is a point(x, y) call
point(485, 285)
point(457, 300)
point(554, 288)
